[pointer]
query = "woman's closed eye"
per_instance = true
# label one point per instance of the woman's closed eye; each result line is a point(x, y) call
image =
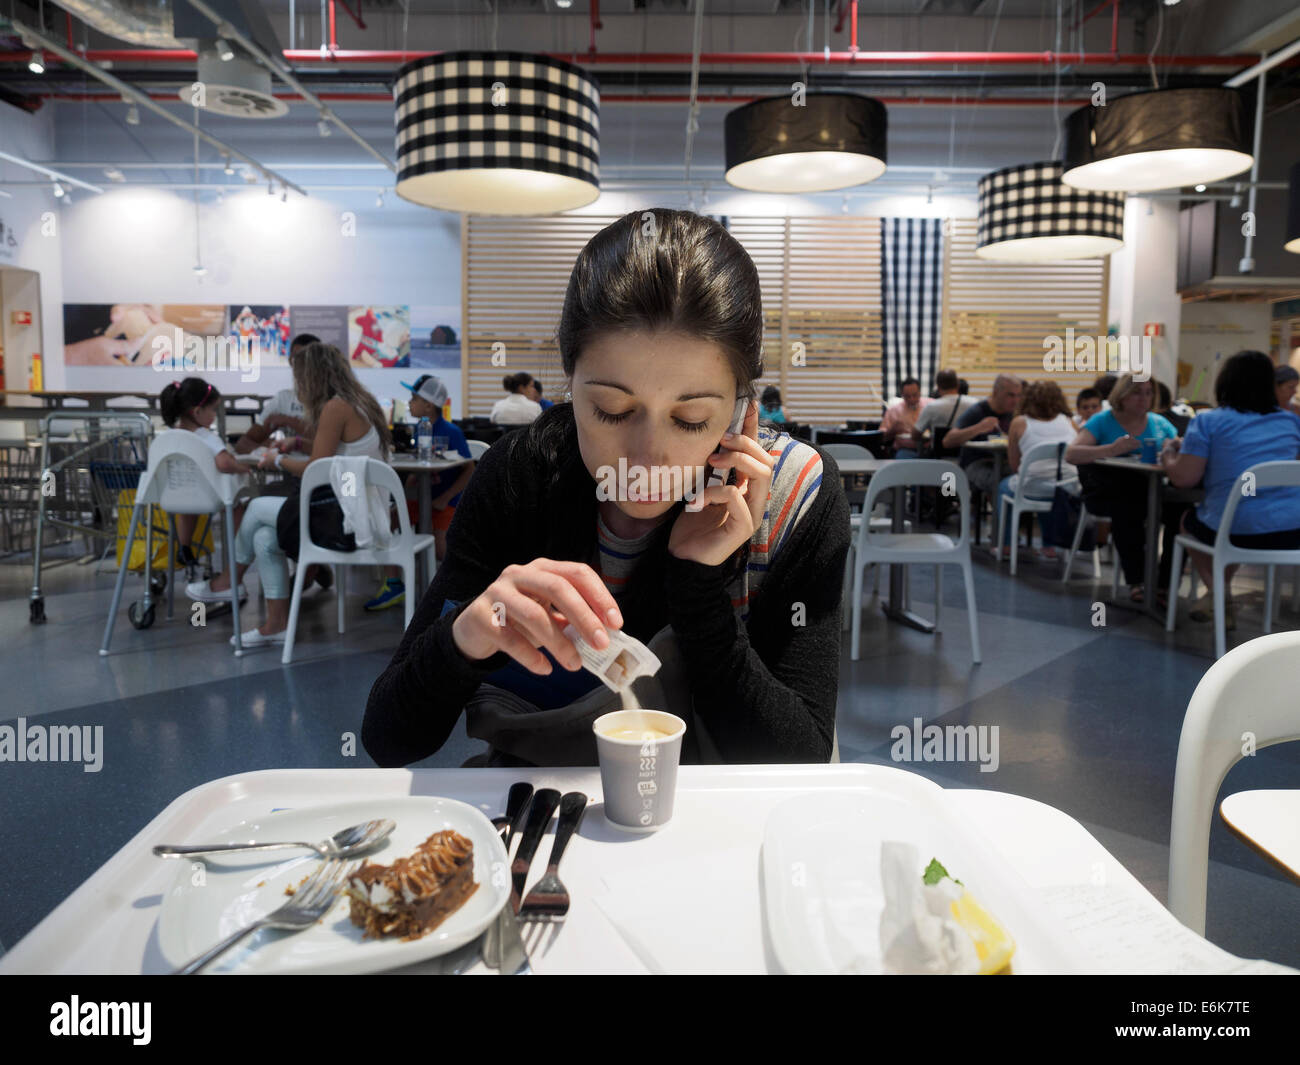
point(615, 419)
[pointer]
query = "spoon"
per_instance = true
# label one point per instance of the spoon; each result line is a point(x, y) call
point(342, 844)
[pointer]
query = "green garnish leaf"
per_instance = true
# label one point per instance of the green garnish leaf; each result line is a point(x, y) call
point(934, 872)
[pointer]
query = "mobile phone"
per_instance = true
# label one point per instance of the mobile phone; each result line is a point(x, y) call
point(717, 476)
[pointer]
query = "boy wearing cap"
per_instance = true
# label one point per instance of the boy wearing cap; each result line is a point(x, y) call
point(428, 396)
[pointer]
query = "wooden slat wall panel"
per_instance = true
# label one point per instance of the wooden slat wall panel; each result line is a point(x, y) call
point(998, 314)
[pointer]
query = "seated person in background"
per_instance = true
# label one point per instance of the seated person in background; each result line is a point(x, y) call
point(518, 408)
point(1086, 404)
point(1246, 428)
point(770, 406)
point(1104, 383)
point(534, 392)
point(281, 411)
point(428, 395)
point(963, 386)
point(900, 418)
point(941, 413)
point(1129, 426)
point(1285, 379)
point(977, 423)
point(192, 405)
point(1043, 418)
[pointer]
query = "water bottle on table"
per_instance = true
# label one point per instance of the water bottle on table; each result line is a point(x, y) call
point(424, 440)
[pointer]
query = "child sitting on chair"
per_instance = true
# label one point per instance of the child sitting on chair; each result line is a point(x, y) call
point(192, 405)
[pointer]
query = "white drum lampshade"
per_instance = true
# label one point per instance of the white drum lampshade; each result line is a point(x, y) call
point(1163, 139)
point(1027, 215)
point(1293, 212)
point(504, 133)
point(830, 141)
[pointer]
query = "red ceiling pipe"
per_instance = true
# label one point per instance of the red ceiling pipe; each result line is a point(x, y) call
point(853, 25)
point(361, 23)
point(68, 15)
point(596, 24)
point(1114, 28)
point(715, 58)
point(333, 41)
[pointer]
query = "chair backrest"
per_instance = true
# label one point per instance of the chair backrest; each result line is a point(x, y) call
point(1248, 693)
point(1044, 452)
point(948, 477)
point(1277, 474)
point(477, 448)
point(378, 473)
point(182, 477)
point(846, 451)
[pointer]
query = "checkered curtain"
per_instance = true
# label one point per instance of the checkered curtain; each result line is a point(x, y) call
point(911, 296)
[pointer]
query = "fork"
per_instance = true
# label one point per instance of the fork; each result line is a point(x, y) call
point(309, 903)
point(548, 902)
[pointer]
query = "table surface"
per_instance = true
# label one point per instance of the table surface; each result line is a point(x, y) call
point(851, 467)
point(998, 444)
point(1270, 820)
point(1130, 464)
point(405, 463)
point(108, 925)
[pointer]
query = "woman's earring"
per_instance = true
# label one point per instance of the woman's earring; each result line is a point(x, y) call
point(568, 397)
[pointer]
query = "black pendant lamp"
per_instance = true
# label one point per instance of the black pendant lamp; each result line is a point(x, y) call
point(1163, 139)
point(505, 133)
point(829, 141)
point(1293, 212)
point(1027, 215)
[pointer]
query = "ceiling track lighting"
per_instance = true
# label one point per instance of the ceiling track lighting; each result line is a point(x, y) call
point(59, 191)
point(379, 200)
point(229, 168)
point(37, 62)
point(224, 51)
point(132, 115)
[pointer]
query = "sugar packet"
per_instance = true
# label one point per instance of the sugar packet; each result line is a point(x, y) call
point(619, 664)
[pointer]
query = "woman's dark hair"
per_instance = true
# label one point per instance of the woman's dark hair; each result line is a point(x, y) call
point(1043, 401)
point(945, 380)
point(178, 399)
point(655, 270)
point(771, 397)
point(537, 385)
point(1105, 383)
point(1084, 395)
point(1164, 398)
point(1246, 383)
point(513, 382)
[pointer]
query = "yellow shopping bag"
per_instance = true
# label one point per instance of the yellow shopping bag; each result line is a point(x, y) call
point(125, 505)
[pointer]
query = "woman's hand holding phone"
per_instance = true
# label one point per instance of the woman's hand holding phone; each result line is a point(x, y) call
point(731, 512)
point(529, 606)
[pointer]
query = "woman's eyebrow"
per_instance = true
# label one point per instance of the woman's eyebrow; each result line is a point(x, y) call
point(680, 399)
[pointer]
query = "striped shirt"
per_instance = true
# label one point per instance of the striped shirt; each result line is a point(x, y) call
point(796, 479)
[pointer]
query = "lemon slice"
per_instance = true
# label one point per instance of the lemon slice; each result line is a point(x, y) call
point(993, 943)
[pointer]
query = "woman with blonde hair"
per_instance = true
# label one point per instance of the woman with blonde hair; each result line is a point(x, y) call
point(344, 419)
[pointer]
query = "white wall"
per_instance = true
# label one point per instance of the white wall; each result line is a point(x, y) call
point(132, 245)
point(30, 215)
point(1144, 279)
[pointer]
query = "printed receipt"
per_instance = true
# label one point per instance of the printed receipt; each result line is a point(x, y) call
point(1127, 935)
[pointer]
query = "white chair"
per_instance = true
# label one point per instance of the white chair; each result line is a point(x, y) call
point(854, 452)
point(1223, 553)
point(477, 448)
point(901, 549)
point(1019, 503)
point(401, 552)
point(182, 478)
point(1250, 690)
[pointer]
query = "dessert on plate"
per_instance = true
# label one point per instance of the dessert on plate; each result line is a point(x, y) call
point(415, 894)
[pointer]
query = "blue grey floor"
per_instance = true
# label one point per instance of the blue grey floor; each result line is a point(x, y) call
point(1088, 717)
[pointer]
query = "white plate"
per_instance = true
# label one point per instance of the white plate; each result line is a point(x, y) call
point(235, 890)
point(822, 885)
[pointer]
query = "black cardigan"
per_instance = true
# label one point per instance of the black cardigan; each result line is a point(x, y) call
point(765, 688)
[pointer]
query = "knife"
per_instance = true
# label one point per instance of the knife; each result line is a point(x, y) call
point(539, 816)
point(517, 803)
point(513, 959)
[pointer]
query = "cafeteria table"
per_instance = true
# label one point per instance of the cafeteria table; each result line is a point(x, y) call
point(1269, 821)
point(702, 870)
point(897, 607)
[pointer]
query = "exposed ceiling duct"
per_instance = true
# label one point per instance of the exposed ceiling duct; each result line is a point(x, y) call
point(147, 22)
point(237, 87)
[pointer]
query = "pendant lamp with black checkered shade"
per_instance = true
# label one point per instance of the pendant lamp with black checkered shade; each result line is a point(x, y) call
point(504, 133)
point(1162, 139)
point(828, 140)
point(1027, 215)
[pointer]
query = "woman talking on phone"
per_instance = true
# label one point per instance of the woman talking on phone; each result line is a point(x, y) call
point(735, 586)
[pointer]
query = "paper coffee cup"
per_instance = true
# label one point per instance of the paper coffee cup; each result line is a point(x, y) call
point(639, 751)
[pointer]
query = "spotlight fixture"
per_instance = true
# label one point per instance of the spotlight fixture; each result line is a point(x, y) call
point(379, 200)
point(37, 62)
point(270, 188)
point(132, 115)
point(114, 174)
point(229, 168)
point(224, 50)
point(200, 269)
point(59, 190)
point(323, 127)
point(564, 4)
point(1200, 188)
point(284, 194)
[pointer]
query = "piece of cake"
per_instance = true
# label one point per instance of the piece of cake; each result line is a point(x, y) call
point(414, 895)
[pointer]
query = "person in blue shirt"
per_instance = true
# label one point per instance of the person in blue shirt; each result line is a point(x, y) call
point(428, 395)
point(771, 405)
point(1128, 429)
point(535, 394)
point(1246, 428)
